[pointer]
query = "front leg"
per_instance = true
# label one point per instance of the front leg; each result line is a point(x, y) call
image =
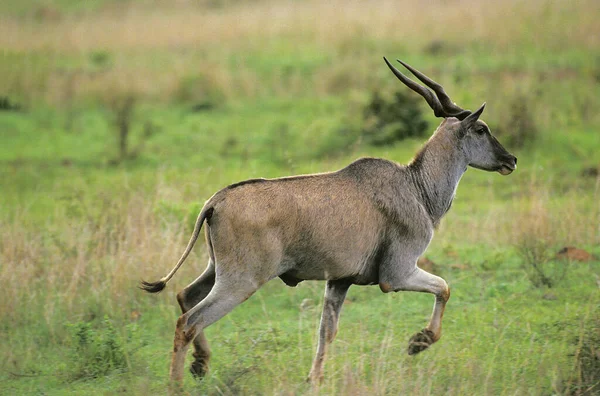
point(423, 281)
point(335, 294)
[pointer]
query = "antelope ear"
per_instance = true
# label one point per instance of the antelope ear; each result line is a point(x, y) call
point(471, 118)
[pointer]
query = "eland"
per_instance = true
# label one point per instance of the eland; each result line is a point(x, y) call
point(365, 224)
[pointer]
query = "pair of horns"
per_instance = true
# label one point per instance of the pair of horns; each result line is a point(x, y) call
point(440, 102)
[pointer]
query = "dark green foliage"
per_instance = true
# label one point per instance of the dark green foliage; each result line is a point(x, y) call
point(596, 70)
point(101, 59)
point(586, 380)
point(124, 120)
point(543, 270)
point(199, 90)
point(441, 48)
point(518, 127)
point(6, 104)
point(390, 119)
point(96, 351)
point(122, 112)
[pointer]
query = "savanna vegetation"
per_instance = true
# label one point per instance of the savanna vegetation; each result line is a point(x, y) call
point(118, 119)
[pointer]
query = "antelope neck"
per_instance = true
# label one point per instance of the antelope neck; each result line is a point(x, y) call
point(436, 171)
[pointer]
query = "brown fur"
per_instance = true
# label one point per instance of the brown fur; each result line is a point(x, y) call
point(365, 224)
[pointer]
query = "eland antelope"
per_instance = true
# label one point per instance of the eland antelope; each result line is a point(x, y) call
point(365, 224)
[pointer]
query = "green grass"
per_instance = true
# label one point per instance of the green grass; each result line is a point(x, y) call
point(501, 336)
point(79, 229)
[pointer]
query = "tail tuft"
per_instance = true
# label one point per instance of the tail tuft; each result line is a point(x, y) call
point(153, 287)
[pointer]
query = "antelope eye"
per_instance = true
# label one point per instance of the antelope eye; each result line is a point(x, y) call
point(480, 131)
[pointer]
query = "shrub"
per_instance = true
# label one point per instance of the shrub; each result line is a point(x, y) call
point(202, 90)
point(124, 118)
point(96, 352)
point(518, 127)
point(6, 104)
point(123, 112)
point(391, 119)
point(540, 265)
point(101, 60)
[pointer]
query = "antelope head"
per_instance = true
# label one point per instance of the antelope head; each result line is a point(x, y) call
point(473, 136)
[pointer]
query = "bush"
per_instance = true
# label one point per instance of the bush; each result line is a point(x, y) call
point(96, 352)
point(127, 128)
point(201, 90)
point(518, 127)
point(391, 119)
point(541, 266)
point(6, 104)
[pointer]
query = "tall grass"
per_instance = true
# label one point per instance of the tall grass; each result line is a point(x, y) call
point(85, 264)
point(284, 48)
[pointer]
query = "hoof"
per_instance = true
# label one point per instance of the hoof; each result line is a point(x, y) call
point(199, 369)
point(420, 341)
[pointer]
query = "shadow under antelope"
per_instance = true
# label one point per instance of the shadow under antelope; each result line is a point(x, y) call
point(365, 224)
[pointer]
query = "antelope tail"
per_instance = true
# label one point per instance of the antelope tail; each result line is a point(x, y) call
point(158, 286)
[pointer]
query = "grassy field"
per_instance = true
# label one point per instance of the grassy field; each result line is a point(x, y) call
point(218, 91)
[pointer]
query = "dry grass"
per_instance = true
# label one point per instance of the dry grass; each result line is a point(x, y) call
point(568, 219)
point(152, 47)
point(92, 254)
point(100, 246)
point(331, 24)
point(532, 206)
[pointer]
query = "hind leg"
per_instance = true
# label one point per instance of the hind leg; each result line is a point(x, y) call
point(224, 296)
point(189, 298)
point(335, 294)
